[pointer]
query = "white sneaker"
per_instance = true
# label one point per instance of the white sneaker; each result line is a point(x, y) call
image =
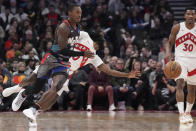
point(140, 108)
point(121, 106)
point(32, 123)
point(30, 113)
point(182, 119)
point(189, 119)
point(9, 91)
point(112, 108)
point(89, 108)
point(16, 104)
point(186, 127)
point(32, 126)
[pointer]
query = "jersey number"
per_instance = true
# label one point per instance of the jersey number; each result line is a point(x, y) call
point(188, 47)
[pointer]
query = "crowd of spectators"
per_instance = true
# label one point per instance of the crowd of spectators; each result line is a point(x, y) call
point(136, 34)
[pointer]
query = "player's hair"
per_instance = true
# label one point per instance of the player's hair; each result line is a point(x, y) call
point(98, 38)
point(190, 8)
point(72, 6)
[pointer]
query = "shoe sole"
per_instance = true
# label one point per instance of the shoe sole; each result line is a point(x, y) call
point(13, 105)
point(14, 101)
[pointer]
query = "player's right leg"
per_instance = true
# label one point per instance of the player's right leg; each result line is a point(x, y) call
point(17, 88)
point(48, 98)
point(180, 81)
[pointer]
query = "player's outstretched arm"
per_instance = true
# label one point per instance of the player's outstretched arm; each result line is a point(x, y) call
point(63, 32)
point(174, 31)
point(105, 68)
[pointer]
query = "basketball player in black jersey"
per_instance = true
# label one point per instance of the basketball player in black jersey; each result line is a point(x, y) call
point(52, 64)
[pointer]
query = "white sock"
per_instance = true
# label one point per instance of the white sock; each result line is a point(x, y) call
point(180, 107)
point(89, 106)
point(111, 105)
point(188, 107)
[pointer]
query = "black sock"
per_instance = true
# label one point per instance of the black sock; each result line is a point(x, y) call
point(36, 106)
point(23, 94)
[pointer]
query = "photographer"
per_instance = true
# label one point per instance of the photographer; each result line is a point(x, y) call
point(164, 93)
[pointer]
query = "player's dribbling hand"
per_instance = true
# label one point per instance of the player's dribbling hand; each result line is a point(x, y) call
point(89, 54)
point(134, 74)
point(169, 57)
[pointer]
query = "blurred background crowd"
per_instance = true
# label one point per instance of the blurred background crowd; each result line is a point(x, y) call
point(136, 34)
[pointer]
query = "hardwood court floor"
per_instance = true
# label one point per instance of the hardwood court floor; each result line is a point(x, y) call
point(95, 121)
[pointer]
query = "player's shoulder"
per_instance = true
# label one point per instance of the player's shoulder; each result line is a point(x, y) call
point(63, 25)
point(176, 28)
point(84, 34)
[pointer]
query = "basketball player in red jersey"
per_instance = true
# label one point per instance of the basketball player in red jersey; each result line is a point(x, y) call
point(183, 35)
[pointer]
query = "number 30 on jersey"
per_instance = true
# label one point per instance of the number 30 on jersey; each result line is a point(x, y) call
point(188, 47)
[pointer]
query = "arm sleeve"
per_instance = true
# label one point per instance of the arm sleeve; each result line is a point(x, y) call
point(68, 52)
point(96, 61)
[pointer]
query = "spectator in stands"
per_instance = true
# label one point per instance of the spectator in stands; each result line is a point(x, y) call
point(13, 66)
point(115, 6)
point(31, 55)
point(154, 73)
point(6, 74)
point(12, 52)
point(162, 53)
point(134, 21)
point(19, 75)
point(6, 16)
point(78, 85)
point(122, 89)
point(47, 45)
point(113, 61)
point(164, 93)
point(52, 16)
point(99, 88)
point(30, 66)
point(138, 85)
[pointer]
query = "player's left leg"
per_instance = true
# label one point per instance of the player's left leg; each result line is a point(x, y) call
point(110, 93)
point(191, 87)
point(190, 102)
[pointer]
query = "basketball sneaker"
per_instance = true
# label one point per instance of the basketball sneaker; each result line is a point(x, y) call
point(32, 123)
point(188, 117)
point(9, 91)
point(31, 113)
point(17, 102)
point(89, 108)
point(182, 119)
point(112, 108)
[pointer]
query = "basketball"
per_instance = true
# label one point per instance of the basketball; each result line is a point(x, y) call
point(172, 70)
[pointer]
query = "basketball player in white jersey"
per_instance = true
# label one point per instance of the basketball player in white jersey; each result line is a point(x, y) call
point(183, 35)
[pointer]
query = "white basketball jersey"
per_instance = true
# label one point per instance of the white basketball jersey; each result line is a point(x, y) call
point(185, 42)
point(84, 43)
